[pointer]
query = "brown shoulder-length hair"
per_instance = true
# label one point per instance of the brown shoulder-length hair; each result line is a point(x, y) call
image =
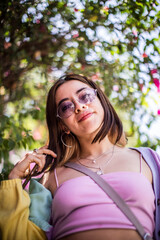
point(111, 126)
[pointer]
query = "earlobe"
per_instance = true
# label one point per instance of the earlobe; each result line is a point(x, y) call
point(64, 128)
point(67, 131)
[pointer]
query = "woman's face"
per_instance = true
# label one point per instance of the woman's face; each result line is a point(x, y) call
point(79, 108)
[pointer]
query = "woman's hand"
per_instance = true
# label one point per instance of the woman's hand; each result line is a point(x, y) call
point(22, 168)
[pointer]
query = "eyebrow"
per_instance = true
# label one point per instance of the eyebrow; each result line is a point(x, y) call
point(64, 99)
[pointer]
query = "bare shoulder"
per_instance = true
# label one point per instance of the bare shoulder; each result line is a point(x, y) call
point(124, 152)
point(52, 179)
point(59, 176)
point(64, 173)
point(145, 169)
point(130, 160)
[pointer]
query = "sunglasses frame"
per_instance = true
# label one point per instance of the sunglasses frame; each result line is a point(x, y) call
point(95, 94)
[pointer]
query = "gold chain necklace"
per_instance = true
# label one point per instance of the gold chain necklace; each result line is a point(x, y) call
point(100, 171)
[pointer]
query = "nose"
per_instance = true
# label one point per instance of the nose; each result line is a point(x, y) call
point(80, 107)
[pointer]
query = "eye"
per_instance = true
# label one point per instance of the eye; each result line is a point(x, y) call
point(85, 97)
point(65, 106)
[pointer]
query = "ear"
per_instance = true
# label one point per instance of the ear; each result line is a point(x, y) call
point(64, 128)
point(67, 131)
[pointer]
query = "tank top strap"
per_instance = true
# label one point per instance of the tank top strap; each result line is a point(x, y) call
point(56, 178)
point(140, 163)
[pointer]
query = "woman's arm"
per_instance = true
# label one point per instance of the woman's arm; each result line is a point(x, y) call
point(14, 213)
point(15, 202)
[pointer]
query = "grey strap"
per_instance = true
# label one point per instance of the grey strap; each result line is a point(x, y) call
point(114, 196)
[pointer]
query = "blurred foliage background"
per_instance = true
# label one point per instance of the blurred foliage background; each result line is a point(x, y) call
point(116, 43)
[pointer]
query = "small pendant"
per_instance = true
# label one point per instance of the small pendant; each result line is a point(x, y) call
point(99, 172)
point(94, 161)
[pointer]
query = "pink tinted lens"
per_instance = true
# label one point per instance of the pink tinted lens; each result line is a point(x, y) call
point(66, 109)
point(87, 96)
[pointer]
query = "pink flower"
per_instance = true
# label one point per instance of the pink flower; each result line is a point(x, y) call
point(153, 71)
point(6, 73)
point(7, 45)
point(38, 21)
point(37, 135)
point(37, 108)
point(156, 82)
point(141, 86)
point(95, 77)
point(158, 112)
point(115, 88)
point(134, 33)
point(106, 9)
point(75, 35)
point(144, 55)
point(23, 133)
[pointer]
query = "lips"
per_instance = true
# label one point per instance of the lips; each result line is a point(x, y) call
point(84, 116)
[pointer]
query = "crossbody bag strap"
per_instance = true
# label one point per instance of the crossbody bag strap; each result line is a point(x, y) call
point(114, 196)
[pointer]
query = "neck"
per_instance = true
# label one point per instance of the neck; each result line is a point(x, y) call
point(93, 150)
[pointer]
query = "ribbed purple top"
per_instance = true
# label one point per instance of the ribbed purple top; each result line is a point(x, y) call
point(80, 204)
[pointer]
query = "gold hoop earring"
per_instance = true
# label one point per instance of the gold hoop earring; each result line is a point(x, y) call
point(69, 146)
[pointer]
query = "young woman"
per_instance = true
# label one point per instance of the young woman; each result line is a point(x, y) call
point(66, 204)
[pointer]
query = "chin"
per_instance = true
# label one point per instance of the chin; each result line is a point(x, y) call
point(93, 129)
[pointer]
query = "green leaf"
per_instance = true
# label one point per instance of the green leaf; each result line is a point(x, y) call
point(11, 144)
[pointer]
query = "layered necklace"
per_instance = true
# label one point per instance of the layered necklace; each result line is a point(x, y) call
point(94, 161)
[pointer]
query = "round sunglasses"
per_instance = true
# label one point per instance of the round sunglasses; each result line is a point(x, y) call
point(67, 108)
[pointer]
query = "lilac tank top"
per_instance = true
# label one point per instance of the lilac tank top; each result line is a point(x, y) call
point(79, 204)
